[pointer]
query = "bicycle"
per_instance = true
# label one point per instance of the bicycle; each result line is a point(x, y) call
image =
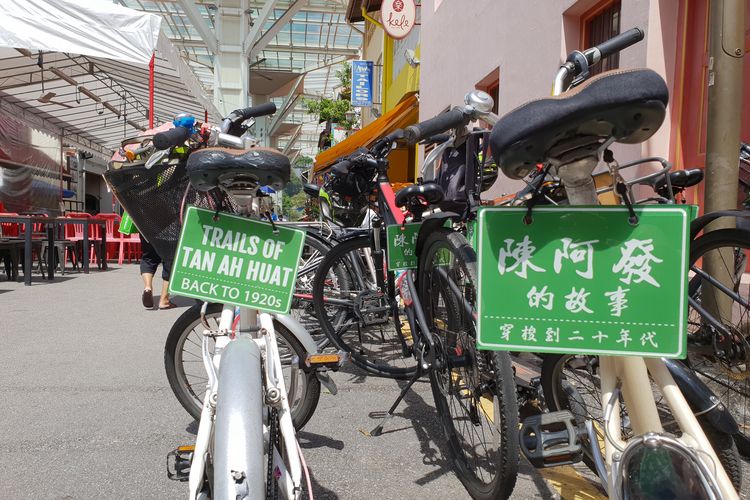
point(247, 394)
point(473, 391)
point(570, 139)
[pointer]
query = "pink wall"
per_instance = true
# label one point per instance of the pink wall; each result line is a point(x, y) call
point(526, 41)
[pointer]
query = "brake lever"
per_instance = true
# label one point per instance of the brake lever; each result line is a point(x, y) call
point(157, 157)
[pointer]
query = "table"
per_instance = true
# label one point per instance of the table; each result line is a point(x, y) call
point(52, 223)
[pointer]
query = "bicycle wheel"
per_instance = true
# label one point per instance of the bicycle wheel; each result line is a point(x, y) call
point(571, 382)
point(355, 315)
point(302, 309)
point(474, 391)
point(183, 363)
point(723, 362)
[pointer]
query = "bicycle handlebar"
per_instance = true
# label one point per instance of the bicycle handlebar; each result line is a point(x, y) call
point(171, 138)
point(448, 120)
point(618, 43)
point(240, 115)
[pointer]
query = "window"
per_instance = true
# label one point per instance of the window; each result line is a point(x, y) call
point(494, 91)
point(598, 25)
point(491, 85)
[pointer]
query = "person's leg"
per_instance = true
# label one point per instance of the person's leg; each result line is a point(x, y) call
point(166, 269)
point(149, 262)
point(148, 281)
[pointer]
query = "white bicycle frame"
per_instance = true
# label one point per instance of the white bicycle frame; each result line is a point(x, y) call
point(272, 378)
point(239, 457)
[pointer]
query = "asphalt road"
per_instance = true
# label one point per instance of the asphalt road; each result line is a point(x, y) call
point(86, 411)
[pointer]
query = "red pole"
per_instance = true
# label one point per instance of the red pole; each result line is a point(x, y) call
point(151, 93)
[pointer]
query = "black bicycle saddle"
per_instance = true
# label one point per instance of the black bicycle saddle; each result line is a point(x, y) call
point(627, 105)
point(212, 167)
point(429, 191)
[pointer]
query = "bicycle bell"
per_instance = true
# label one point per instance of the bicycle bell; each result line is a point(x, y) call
point(481, 101)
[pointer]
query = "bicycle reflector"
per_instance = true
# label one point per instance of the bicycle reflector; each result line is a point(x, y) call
point(331, 361)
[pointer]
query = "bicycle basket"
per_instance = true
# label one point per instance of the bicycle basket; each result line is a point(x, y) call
point(153, 198)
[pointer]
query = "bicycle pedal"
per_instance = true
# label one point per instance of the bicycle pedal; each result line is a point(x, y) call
point(551, 439)
point(178, 463)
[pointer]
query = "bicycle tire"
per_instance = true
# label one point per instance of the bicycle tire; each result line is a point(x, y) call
point(316, 247)
point(237, 442)
point(375, 348)
point(303, 406)
point(557, 395)
point(716, 376)
point(471, 389)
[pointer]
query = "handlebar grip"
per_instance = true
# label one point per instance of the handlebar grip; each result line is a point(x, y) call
point(620, 42)
point(448, 120)
point(394, 136)
point(171, 138)
point(342, 167)
point(268, 108)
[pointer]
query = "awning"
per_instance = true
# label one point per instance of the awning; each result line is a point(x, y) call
point(93, 90)
point(405, 113)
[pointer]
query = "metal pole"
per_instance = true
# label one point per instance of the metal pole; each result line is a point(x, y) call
point(151, 93)
point(727, 32)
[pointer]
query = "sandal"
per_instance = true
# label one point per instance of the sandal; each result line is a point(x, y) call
point(170, 306)
point(148, 299)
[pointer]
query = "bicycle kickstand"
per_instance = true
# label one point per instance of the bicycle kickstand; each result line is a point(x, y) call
point(377, 431)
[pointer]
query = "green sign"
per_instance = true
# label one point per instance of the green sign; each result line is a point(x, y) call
point(583, 280)
point(236, 260)
point(402, 246)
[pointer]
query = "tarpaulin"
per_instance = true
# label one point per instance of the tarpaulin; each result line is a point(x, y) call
point(86, 27)
point(29, 168)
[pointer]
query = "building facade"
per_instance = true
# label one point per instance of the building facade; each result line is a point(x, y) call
point(513, 49)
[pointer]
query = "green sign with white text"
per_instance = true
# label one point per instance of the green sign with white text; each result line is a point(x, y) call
point(583, 280)
point(402, 246)
point(236, 260)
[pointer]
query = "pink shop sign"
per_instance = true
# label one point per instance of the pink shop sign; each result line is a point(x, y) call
point(398, 17)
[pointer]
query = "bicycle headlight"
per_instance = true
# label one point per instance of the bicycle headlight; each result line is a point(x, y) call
point(660, 466)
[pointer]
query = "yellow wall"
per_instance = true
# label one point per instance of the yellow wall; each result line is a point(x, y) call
point(396, 86)
point(393, 89)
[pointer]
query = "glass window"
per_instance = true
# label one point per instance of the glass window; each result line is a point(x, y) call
point(600, 25)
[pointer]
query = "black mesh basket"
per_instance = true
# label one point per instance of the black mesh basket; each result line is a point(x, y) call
point(153, 198)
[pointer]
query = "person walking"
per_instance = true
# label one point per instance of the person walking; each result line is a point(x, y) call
point(150, 261)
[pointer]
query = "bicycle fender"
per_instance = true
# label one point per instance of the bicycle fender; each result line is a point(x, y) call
point(239, 412)
point(431, 223)
point(301, 334)
point(700, 398)
point(741, 215)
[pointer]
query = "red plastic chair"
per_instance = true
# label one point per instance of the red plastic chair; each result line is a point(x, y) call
point(74, 233)
point(110, 221)
point(131, 242)
point(9, 229)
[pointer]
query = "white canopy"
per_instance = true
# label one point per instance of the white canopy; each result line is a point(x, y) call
point(78, 70)
point(87, 27)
